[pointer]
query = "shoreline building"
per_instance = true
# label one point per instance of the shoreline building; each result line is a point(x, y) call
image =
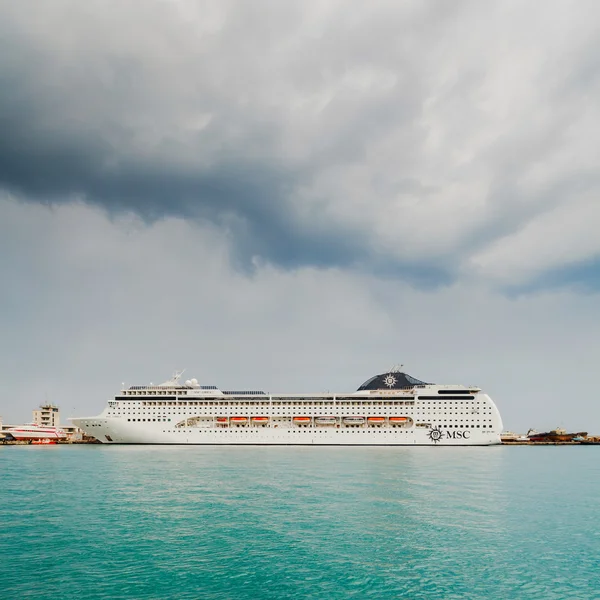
point(47, 415)
point(45, 423)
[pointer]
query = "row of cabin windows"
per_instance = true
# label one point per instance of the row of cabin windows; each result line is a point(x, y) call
point(284, 414)
point(456, 425)
point(346, 411)
point(305, 403)
point(290, 411)
point(280, 403)
point(295, 430)
point(167, 406)
point(154, 392)
point(182, 412)
point(299, 429)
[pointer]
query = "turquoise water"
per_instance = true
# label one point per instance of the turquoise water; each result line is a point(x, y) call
point(149, 522)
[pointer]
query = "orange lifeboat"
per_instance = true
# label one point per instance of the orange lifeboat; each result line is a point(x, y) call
point(222, 420)
point(398, 420)
point(260, 420)
point(376, 420)
point(238, 420)
point(302, 420)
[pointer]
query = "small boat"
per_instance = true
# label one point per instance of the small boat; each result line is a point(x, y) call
point(302, 420)
point(376, 420)
point(555, 435)
point(222, 420)
point(238, 420)
point(326, 420)
point(398, 420)
point(260, 420)
point(354, 420)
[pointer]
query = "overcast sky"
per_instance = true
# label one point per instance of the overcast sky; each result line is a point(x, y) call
point(294, 196)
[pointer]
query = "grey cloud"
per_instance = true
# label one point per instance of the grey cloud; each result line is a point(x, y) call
point(582, 278)
point(53, 148)
point(233, 114)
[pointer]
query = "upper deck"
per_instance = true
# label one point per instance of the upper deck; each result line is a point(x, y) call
point(393, 383)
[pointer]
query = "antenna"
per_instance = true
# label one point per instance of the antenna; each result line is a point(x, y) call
point(177, 375)
point(173, 382)
point(396, 369)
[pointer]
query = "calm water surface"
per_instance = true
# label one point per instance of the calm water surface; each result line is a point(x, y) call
point(149, 522)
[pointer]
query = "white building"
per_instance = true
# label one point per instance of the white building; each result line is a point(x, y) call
point(47, 416)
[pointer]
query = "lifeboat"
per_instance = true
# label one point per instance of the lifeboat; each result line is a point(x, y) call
point(376, 420)
point(302, 420)
point(222, 420)
point(260, 420)
point(238, 420)
point(398, 420)
point(326, 420)
point(354, 420)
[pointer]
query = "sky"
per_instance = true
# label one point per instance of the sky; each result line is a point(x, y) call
point(295, 196)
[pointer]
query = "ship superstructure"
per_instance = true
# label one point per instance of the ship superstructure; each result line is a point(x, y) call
point(391, 408)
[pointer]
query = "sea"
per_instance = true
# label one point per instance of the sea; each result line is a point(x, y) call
point(269, 522)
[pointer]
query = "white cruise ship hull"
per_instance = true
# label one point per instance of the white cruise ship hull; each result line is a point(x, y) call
point(391, 409)
point(115, 431)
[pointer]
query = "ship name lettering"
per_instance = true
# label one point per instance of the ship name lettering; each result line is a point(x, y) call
point(458, 435)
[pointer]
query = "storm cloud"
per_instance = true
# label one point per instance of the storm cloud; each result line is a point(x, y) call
point(418, 140)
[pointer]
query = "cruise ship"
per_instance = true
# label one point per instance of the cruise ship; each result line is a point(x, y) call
point(389, 409)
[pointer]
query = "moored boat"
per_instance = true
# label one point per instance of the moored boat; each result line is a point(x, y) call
point(591, 441)
point(33, 431)
point(556, 435)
